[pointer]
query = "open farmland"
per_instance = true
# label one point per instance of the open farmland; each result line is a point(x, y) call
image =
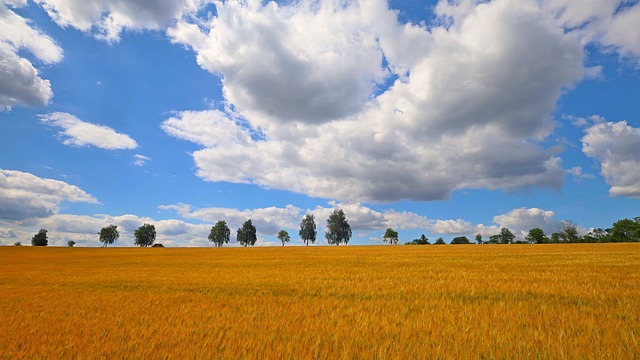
point(529, 301)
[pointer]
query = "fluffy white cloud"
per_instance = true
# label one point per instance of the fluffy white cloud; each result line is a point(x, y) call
point(79, 133)
point(311, 61)
point(207, 128)
point(108, 18)
point(522, 220)
point(24, 195)
point(20, 83)
point(470, 102)
point(615, 146)
point(611, 24)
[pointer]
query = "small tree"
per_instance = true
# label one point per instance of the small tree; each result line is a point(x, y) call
point(536, 236)
point(40, 239)
point(506, 236)
point(338, 229)
point(71, 243)
point(247, 234)
point(220, 233)
point(17, 243)
point(109, 234)
point(283, 235)
point(569, 232)
point(390, 236)
point(440, 241)
point(145, 235)
point(479, 238)
point(460, 240)
point(308, 229)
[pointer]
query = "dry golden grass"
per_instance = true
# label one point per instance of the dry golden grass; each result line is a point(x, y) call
point(386, 302)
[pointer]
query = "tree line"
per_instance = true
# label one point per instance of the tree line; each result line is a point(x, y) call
point(338, 231)
point(626, 230)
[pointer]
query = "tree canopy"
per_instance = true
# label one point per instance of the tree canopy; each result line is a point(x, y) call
point(40, 239)
point(536, 236)
point(283, 235)
point(247, 234)
point(338, 229)
point(308, 230)
point(460, 240)
point(220, 233)
point(109, 234)
point(390, 236)
point(145, 235)
point(506, 236)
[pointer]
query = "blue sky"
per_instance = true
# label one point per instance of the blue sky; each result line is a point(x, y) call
point(440, 118)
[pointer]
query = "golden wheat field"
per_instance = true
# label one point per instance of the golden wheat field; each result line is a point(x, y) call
point(377, 302)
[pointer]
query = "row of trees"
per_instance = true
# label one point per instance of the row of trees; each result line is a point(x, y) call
point(339, 232)
point(626, 230)
point(145, 236)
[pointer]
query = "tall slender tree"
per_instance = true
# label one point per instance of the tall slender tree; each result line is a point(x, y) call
point(338, 229)
point(247, 234)
point(220, 234)
point(308, 229)
point(479, 238)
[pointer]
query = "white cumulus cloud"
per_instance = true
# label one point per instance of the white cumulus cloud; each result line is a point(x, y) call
point(468, 104)
point(79, 133)
point(106, 19)
point(20, 82)
point(24, 195)
point(615, 145)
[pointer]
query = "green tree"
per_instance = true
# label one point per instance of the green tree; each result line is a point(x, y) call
point(439, 241)
point(626, 230)
point(506, 236)
point(494, 239)
point(108, 235)
point(40, 239)
point(569, 232)
point(338, 229)
point(71, 243)
point(220, 233)
point(17, 243)
point(460, 240)
point(555, 238)
point(390, 236)
point(145, 235)
point(247, 234)
point(479, 239)
point(536, 236)
point(308, 229)
point(283, 235)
